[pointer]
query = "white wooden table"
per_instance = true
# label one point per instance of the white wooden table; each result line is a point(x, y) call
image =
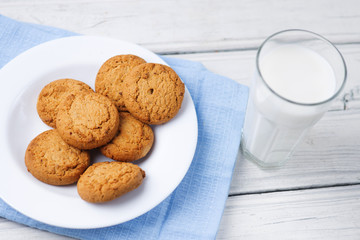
point(317, 194)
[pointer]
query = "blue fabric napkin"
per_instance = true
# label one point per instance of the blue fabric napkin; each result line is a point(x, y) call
point(194, 209)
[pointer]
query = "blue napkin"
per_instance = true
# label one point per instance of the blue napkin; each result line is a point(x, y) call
point(194, 209)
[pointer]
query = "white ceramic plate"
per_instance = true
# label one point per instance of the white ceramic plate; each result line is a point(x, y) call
point(80, 58)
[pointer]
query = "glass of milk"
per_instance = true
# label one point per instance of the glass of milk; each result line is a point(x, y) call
point(298, 75)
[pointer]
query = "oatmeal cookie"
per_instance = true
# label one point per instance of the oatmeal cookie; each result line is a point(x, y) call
point(53, 93)
point(109, 80)
point(87, 121)
point(49, 159)
point(105, 181)
point(132, 142)
point(153, 93)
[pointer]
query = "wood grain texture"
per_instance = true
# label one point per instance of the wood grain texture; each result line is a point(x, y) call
point(14, 231)
point(329, 155)
point(295, 202)
point(318, 214)
point(183, 26)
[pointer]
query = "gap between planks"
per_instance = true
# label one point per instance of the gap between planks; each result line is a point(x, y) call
point(294, 189)
point(225, 50)
point(329, 213)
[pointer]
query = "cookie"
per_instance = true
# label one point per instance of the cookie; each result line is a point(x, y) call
point(153, 93)
point(132, 142)
point(105, 181)
point(109, 80)
point(87, 121)
point(49, 159)
point(53, 93)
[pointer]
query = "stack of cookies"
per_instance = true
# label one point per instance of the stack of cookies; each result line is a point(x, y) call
point(130, 96)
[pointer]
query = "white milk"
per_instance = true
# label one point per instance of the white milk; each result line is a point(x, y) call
point(298, 74)
point(273, 126)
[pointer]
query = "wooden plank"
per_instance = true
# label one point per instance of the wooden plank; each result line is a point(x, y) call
point(329, 213)
point(14, 231)
point(183, 26)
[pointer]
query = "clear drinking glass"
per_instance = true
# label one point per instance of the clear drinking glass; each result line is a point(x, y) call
point(284, 101)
